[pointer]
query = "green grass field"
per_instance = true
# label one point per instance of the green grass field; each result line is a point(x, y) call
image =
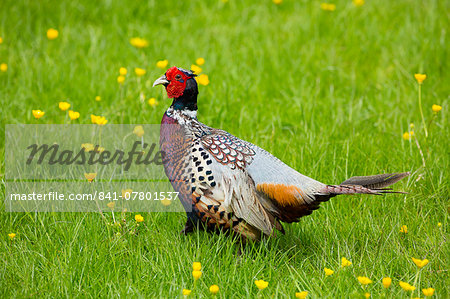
point(329, 92)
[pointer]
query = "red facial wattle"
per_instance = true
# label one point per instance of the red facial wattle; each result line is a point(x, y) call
point(177, 83)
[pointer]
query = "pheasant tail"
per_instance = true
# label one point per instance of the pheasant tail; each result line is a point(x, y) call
point(373, 184)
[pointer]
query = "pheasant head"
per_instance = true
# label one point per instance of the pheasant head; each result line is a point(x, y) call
point(180, 85)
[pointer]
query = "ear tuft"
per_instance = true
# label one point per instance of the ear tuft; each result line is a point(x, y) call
point(189, 73)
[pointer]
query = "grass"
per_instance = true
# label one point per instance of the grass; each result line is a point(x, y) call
point(330, 93)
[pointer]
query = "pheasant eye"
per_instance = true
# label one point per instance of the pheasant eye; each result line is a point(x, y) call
point(178, 77)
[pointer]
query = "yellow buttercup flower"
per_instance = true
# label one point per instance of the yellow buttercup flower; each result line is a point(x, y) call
point(406, 136)
point(52, 34)
point(196, 69)
point(90, 176)
point(436, 108)
point(386, 282)
point(328, 6)
point(153, 102)
point(38, 113)
point(99, 120)
point(203, 79)
point(111, 205)
point(420, 77)
point(364, 280)
point(126, 193)
point(196, 274)
point(278, 2)
point(186, 292)
point(261, 284)
point(165, 202)
point(11, 235)
point(196, 266)
point(345, 262)
point(162, 64)
point(301, 295)
point(404, 228)
point(138, 218)
point(120, 79)
point(200, 61)
point(406, 286)
point(428, 292)
point(139, 72)
point(214, 289)
point(420, 263)
point(138, 42)
point(367, 295)
point(98, 98)
point(138, 131)
point(439, 224)
point(87, 147)
point(358, 2)
point(123, 71)
point(64, 106)
point(74, 115)
point(1, 40)
point(328, 272)
point(3, 67)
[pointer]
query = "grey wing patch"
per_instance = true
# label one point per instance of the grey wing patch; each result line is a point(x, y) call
point(228, 150)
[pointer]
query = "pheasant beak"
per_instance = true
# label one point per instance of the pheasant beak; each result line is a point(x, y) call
point(161, 80)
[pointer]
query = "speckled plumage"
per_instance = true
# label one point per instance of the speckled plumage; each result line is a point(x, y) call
point(230, 184)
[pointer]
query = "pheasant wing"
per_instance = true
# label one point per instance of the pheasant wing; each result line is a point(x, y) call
point(281, 190)
point(226, 158)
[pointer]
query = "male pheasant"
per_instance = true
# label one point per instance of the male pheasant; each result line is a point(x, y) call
point(230, 184)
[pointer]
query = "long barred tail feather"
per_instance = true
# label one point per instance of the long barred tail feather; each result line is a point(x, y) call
point(344, 189)
point(374, 184)
point(375, 181)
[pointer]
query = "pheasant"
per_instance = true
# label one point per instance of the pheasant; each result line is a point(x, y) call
point(233, 185)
